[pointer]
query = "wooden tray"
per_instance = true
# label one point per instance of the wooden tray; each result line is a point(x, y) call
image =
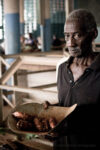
point(59, 113)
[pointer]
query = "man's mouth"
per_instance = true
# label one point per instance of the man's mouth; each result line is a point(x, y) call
point(74, 49)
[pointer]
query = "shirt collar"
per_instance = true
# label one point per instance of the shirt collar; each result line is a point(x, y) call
point(69, 61)
point(94, 66)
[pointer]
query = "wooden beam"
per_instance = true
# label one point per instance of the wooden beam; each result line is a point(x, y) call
point(4, 62)
point(37, 54)
point(38, 94)
point(37, 68)
point(47, 61)
point(46, 85)
point(22, 89)
point(1, 100)
point(1, 108)
point(8, 101)
point(11, 71)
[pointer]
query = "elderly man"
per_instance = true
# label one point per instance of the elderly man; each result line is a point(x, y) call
point(79, 82)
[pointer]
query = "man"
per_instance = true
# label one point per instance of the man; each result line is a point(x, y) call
point(79, 82)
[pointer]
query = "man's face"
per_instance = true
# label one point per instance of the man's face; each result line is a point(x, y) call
point(77, 40)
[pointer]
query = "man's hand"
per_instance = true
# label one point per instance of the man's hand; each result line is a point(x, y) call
point(46, 104)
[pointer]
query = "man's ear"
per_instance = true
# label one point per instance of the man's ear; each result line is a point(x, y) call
point(95, 34)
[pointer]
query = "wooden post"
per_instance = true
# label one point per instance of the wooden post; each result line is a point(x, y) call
point(4, 62)
point(11, 71)
point(14, 92)
point(69, 6)
point(1, 100)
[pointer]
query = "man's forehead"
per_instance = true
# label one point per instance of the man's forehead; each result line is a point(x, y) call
point(73, 26)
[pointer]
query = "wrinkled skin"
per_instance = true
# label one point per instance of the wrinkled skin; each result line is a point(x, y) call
point(79, 44)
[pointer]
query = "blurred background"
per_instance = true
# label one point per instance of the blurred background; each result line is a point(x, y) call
point(32, 46)
point(44, 19)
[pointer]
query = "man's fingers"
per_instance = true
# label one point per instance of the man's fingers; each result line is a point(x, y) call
point(46, 104)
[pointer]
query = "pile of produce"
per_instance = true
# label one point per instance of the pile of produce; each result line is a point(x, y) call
point(28, 122)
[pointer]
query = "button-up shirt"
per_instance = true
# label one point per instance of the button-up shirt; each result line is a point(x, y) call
point(81, 126)
point(86, 90)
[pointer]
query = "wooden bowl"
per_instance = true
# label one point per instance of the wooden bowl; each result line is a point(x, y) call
point(35, 109)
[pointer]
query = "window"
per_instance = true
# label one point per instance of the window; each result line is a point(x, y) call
point(57, 13)
point(30, 15)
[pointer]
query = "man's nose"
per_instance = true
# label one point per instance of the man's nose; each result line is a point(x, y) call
point(70, 42)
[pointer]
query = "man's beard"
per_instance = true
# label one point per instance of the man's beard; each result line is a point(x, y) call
point(75, 51)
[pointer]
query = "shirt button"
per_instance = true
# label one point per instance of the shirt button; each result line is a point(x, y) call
point(76, 83)
point(70, 81)
point(87, 70)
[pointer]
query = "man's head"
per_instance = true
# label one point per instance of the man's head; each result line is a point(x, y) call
point(80, 30)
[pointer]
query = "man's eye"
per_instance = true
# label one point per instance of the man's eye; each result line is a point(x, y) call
point(67, 36)
point(77, 36)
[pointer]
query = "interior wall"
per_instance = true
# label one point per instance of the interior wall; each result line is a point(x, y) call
point(94, 7)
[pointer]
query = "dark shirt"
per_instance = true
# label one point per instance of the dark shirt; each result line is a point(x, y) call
point(81, 125)
point(86, 90)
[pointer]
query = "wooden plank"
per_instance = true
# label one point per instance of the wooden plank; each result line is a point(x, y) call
point(46, 85)
point(22, 89)
point(0, 67)
point(15, 82)
point(11, 71)
point(8, 101)
point(36, 54)
point(39, 94)
point(4, 62)
point(36, 68)
point(46, 61)
point(1, 100)
point(1, 108)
